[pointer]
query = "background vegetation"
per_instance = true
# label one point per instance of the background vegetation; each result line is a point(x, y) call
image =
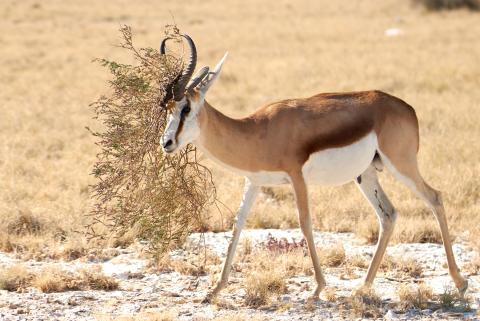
point(277, 50)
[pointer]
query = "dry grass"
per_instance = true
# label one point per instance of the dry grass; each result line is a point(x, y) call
point(293, 262)
point(167, 315)
point(329, 294)
point(55, 279)
point(332, 256)
point(473, 267)
point(239, 317)
point(407, 230)
point(357, 261)
point(419, 297)
point(403, 266)
point(417, 230)
point(290, 257)
point(15, 278)
point(365, 303)
point(246, 248)
point(450, 300)
point(475, 240)
point(72, 250)
point(261, 286)
point(267, 269)
point(25, 223)
point(195, 264)
point(47, 155)
point(367, 230)
point(94, 279)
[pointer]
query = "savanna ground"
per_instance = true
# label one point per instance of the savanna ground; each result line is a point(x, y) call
point(277, 49)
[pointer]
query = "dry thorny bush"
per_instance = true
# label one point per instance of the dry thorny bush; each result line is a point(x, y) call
point(162, 198)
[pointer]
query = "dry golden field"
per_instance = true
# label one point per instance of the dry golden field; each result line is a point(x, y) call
point(278, 49)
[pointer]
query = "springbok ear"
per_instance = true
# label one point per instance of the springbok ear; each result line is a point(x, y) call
point(197, 78)
point(212, 76)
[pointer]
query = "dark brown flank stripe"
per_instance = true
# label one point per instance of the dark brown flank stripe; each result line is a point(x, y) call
point(340, 137)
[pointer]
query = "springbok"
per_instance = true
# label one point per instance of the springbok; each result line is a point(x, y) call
point(326, 139)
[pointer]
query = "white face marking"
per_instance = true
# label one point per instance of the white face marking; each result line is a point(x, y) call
point(184, 115)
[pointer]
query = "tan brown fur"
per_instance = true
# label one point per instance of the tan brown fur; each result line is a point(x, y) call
point(284, 134)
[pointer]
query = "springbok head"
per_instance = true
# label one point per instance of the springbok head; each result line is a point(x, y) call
point(188, 95)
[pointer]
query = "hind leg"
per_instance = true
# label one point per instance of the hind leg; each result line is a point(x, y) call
point(373, 192)
point(406, 170)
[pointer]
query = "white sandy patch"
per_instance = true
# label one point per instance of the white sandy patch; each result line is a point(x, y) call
point(183, 293)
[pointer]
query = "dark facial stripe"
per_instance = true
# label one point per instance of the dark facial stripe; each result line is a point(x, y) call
point(180, 127)
point(183, 115)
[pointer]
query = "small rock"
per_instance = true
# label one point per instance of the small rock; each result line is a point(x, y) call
point(427, 311)
point(285, 298)
point(390, 315)
point(78, 310)
point(72, 301)
point(393, 32)
point(21, 311)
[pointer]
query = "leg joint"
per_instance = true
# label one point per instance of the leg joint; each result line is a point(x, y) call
point(388, 221)
point(437, 200)
point(385, 209)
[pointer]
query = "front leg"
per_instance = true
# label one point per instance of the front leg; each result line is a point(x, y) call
point(301, 196)
point(249, 196)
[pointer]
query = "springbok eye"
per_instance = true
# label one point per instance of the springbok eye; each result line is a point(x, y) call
point(186, 109)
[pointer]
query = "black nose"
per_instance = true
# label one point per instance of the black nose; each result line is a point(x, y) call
point(168, 143)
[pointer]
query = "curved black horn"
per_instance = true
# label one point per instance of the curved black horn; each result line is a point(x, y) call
point(179, 89)
point(162, 46)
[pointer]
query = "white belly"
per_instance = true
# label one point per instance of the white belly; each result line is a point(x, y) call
point(334, 166)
